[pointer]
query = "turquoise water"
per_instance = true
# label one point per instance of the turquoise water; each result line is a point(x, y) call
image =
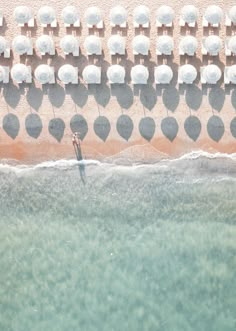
point(103, 247)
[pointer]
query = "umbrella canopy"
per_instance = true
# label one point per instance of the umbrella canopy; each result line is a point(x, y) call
point(116, 74)
point(22, 14)
point(44, 73)
point(232, 73)
point(141, 44)
point(46, 15)
point(165, 15)
point(44, 43)
point(93, 45)
point(232, 44)
point(213, 44)
point(187, 73)
point(70, 14)
point(2, 73)
point(189, 14)
point(188, 45)
point(67, 73)
point(211, 73)
point(116, 44)
point(93, 15)
point(3, 44)
point(91, 74)
point(165, 44)
point(19, 72)
point(213, 14)
point(118, 15)
point(232, 14)
point(139, 74)
point(141, 14)
point(163, 74)
point(69, 44)
point(21, 44)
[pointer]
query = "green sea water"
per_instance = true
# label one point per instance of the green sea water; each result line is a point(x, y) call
point(99, 247)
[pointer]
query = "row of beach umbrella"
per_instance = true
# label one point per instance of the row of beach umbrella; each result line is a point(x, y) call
point(116, 74)
point(116, 44)
point(93, 16)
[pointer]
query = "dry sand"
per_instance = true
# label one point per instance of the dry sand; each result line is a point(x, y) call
point(109, 117)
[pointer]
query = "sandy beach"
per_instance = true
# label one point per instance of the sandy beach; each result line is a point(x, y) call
point(139, 123)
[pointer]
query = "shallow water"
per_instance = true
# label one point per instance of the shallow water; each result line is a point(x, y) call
point(95, 246)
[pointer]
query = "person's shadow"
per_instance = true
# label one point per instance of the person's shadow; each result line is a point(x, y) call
point(79, 156)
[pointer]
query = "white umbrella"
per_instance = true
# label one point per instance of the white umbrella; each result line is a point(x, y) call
point(187, 73)
point(22, 14)
point(3, 44)
point(141, 44)
point(213, 44)
point(189, 14)
point(232, 14)
point(165, 45)
point(232, 73)
point(211, 73)
point(46, 15)
point(165, 15)
point(68, 74)
point(116, 44)
point(118, 15)
point(92, 74)
point(69, 44)
point(44, 73)
point(21, 45)
point(44, 44)
point(93, 45)
point(232, 44)
point(139, 74)
point(19, 72)
point(141, 15)
point(213, 14)
point(163, 74)
point(188, 45)
point(116, 74)
point(70, 15)
point(93, 15)
point(2, 73)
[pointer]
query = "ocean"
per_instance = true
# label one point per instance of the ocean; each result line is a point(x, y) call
point(96, 246)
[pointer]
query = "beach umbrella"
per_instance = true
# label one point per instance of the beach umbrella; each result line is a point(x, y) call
point(68, 74)
point(165, 15)
point(93, 45)
point(21, 45)
point(118, 15)
point(141, 44)
point(232, 44)
point(139, 74)
point(116, 44)
point(213, 44)
point(45, 44)
point(188, 45)
point(213, 14)
point(187, 73)
point(232, 14)
point(211, 73)
point(69, 44)
point(165, 45)
point(22, 14)
point(189, 14)
point(92, 74)
point(163, 74)
point(116, 74)
point(232, 74)
point(141, 15)
point(2, 73)
point(46, 15)
point(44, 73)
point(3, 44)
point(93, 15)
point(70, 15)
point(19, 72)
